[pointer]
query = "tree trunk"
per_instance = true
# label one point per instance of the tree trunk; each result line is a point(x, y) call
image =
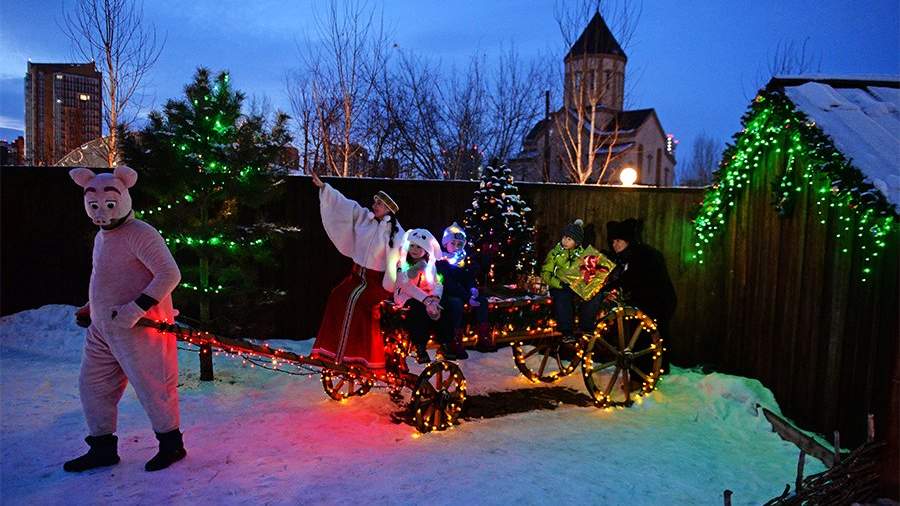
point(206, 364)
point(112, 148)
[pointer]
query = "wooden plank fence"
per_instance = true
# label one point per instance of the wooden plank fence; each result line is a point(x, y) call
point(776, 300)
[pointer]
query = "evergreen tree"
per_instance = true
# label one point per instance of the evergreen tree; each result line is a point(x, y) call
point(498, 228)
point(208, 172)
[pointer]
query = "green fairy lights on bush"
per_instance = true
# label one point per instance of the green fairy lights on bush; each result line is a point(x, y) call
point(812, 163)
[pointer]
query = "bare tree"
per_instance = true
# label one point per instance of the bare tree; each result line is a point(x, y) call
point(362, 102)
point(447, 122)
point(340, 66)
point(464, 103)
point(113, 33)
point(409, 94)
point(791, 57)
point(299, 88)
point(588, 122)
point(512, 102)
point(380, 135)
point(438, 122)
point(705, 155)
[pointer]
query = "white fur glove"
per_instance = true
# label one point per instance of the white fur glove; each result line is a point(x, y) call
point(126, 316)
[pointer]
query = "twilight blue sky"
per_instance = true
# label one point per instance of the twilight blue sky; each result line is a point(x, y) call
point(696, 61)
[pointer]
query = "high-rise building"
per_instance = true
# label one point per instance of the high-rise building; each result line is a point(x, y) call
point(12, 152)
point(63, 109)
point(19, 144)
point(7, 153)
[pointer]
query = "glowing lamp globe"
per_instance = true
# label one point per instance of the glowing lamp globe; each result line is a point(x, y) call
point(628, 176)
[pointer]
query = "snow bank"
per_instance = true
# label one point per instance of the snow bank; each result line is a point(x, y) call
point(49, 332)
point(256, 436)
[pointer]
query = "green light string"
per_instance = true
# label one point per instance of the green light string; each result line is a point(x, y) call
point(812, 163)
point(210, 289)
point(216, 241)
point(158, 209)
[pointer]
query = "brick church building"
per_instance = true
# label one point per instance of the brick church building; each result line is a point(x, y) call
point(592, 138)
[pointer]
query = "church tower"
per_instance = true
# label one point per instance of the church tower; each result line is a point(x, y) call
point(595, 69)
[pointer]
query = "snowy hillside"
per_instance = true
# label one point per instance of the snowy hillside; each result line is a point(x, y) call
point(260, 437)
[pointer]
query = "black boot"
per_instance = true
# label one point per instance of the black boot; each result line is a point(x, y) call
point(422, 353)
point(103, 452)
point(448, 351)
point(459, 348)
point(171, 450)
point(485, 338)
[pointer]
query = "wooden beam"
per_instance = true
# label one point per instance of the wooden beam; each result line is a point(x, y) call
point(790, 433)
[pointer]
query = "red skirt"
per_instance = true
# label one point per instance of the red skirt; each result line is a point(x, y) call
point(350, 332)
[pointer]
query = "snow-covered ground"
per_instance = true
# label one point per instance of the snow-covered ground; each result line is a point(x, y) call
point(261, 437)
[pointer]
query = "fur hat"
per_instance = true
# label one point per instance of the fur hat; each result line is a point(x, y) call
point(627, 230)
point(575, 231)
point(453, 232)
point(423, 239)
point(387, 201)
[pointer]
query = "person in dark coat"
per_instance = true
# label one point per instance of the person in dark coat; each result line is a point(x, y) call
point(641, 276)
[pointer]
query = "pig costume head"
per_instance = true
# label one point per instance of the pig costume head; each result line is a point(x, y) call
point(106, 197)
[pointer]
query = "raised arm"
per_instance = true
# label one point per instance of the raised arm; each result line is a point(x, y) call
point(340, 217)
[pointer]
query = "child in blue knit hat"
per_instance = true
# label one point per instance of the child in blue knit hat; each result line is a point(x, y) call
point(459, 274)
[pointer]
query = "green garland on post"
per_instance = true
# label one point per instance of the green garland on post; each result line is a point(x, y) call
point(813, 162)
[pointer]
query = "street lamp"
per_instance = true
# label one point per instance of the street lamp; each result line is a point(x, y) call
point(628, 176)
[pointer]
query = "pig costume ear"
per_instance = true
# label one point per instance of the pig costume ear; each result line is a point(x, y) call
point(126, 174)
point(82, 176)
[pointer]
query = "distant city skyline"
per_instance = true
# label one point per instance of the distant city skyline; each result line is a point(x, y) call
point(697, 65)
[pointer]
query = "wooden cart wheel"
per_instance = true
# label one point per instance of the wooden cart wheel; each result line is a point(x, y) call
point(547, 359)
point(614, 372)
point(342, 385)
point(438, 397)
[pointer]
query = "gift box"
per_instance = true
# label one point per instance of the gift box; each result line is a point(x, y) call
point(588, 275)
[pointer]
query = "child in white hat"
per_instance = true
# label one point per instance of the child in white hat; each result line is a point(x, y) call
point(419, 290)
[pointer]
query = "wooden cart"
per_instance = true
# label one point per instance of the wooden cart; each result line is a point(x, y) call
point(619, 361)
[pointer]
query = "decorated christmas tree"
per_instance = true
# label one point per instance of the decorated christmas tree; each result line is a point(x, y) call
point(208, 171)
point(498, 227)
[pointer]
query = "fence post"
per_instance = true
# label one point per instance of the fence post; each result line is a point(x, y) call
point(206, 363)
point(799, 482)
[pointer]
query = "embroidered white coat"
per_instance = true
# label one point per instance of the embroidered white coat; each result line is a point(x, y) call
point(357, 234)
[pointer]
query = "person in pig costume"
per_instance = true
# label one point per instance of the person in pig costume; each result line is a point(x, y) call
point(132, 278)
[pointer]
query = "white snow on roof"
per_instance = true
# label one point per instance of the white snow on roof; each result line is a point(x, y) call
point(840, 77)
point(618, 148)
point(864, 124)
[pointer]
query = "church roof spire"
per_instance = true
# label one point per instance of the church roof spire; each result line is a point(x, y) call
point(596, 39)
